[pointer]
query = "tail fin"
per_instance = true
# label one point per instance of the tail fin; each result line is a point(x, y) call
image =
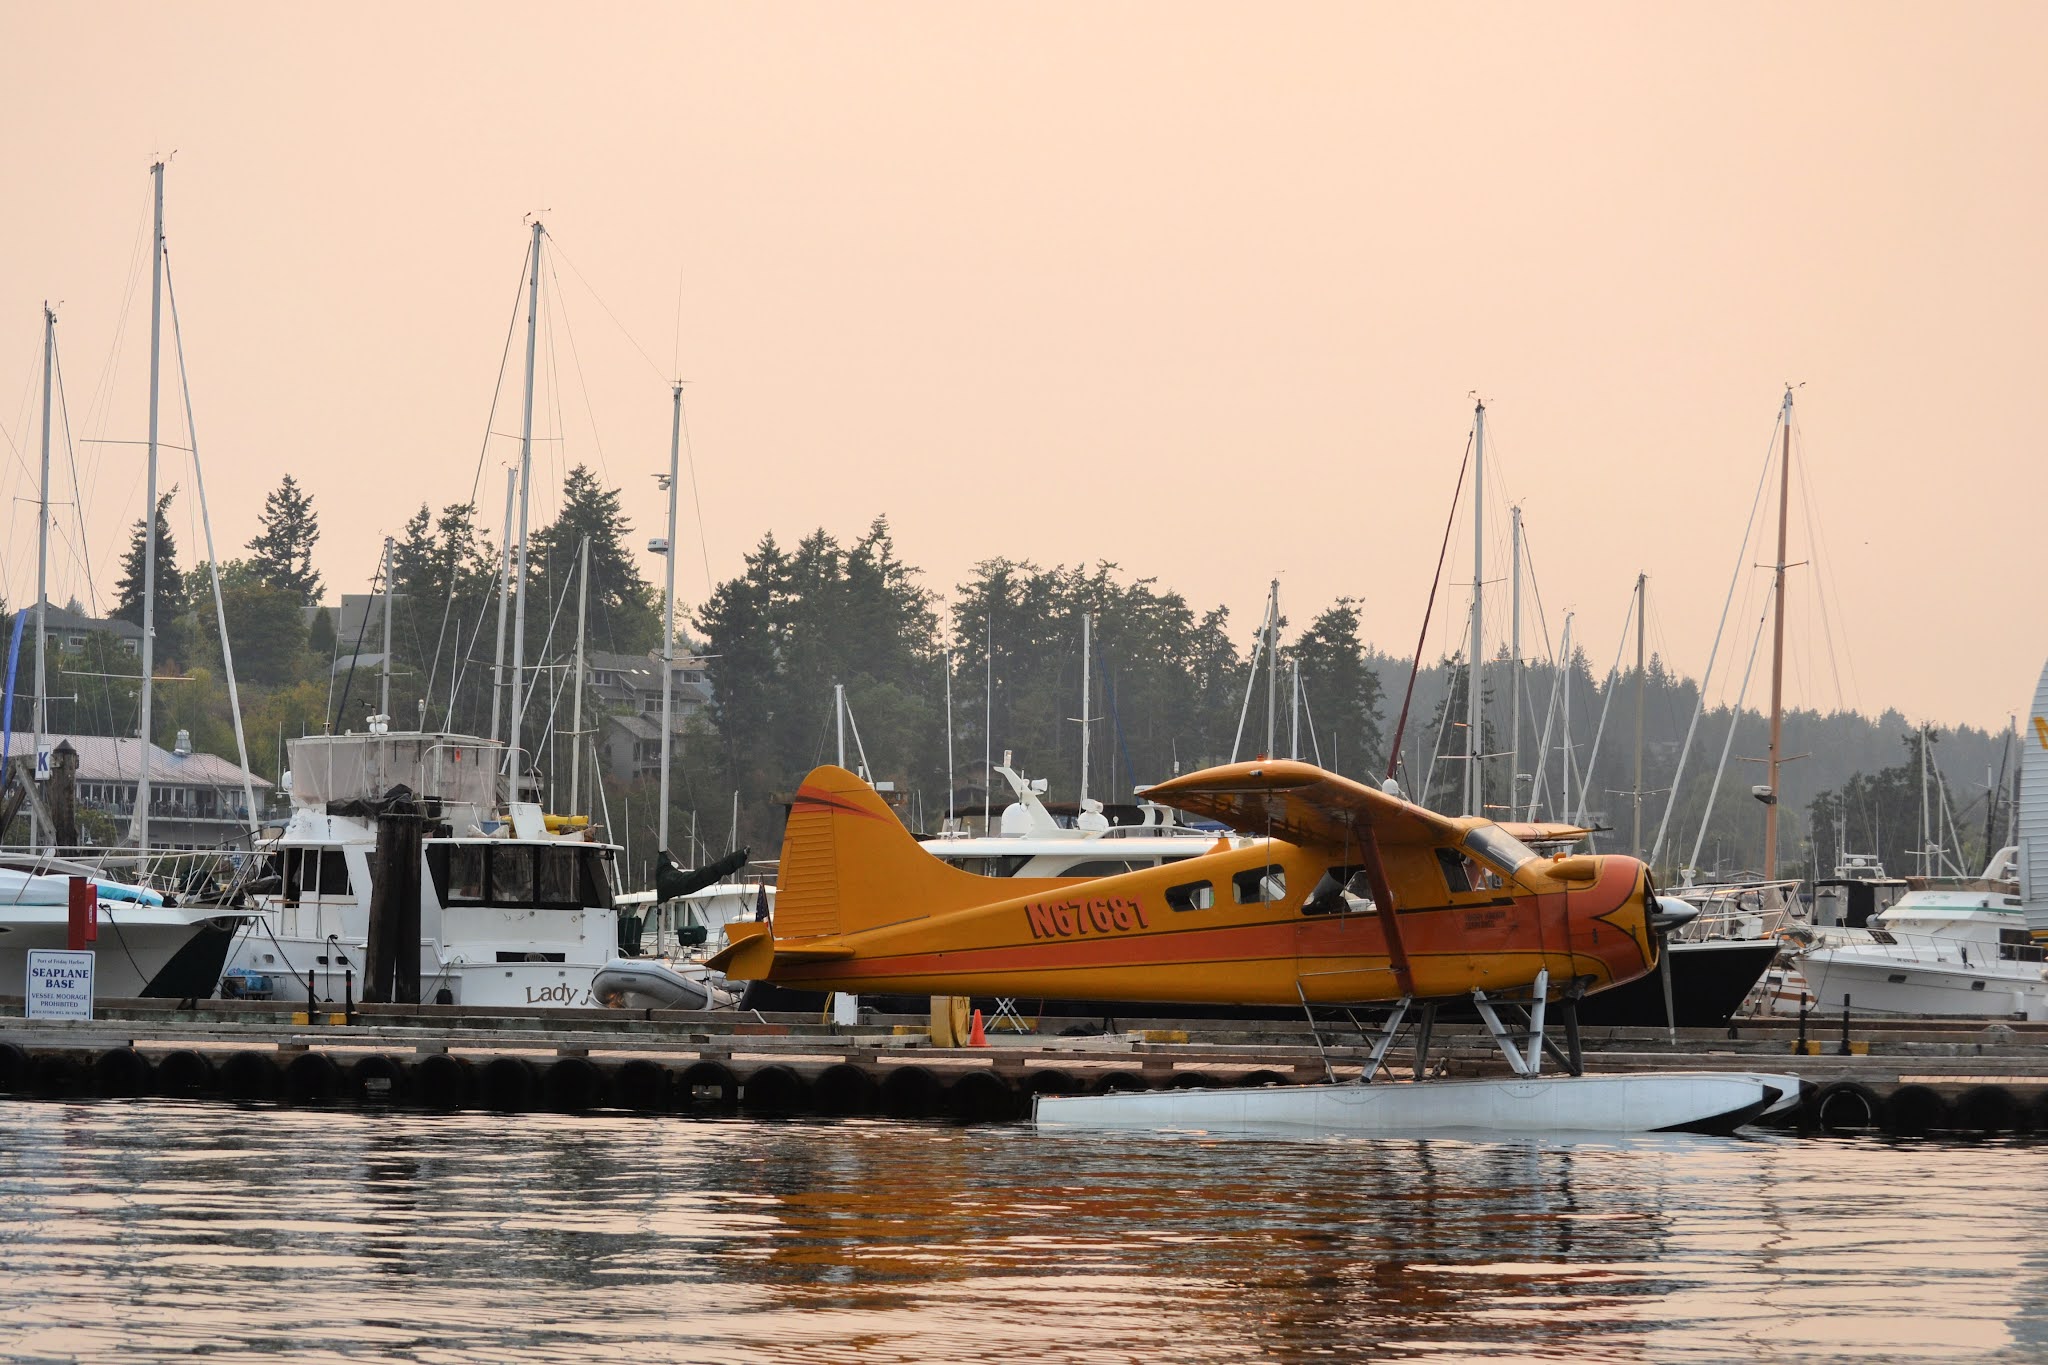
point(848, 864)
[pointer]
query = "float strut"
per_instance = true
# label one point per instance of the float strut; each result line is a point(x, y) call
point(1388, 1031)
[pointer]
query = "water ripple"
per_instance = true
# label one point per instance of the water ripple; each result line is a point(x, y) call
point(145, 1231)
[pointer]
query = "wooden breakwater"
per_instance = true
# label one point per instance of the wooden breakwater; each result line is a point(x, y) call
point(1901, 1077)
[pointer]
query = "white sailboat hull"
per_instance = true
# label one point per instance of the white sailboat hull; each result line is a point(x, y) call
point(1703, 1101)
point(136, 944)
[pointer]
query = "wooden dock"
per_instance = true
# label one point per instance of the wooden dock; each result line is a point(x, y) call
point(1900, 1077)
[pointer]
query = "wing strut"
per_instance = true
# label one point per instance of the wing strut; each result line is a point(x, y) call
point(1383, 901)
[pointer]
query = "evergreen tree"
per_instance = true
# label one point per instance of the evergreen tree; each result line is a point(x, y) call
point(283, 555)
point(625, 612)
point(1343, 691)
point(170, 583)
point(266, 625)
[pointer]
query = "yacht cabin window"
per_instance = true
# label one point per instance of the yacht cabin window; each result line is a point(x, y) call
point(563, 878)
point(465, 873)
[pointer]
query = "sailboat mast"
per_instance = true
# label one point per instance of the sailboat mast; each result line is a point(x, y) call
point(1474, 795)
point(1272, 662)
point(1642, 692)
point(668, 603)
point(1778, 647)
point(156, 330)
point(1926, 839)
point(1294, 698)
point(513, 753)
point(504, 602)
point(1515, 662)
point(576, 691)
point(952, 784)
point(1087, 633)
point(40, 710)
point(384, 683)
point(839, 717)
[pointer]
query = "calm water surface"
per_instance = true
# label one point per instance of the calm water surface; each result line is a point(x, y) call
point(139, 1231)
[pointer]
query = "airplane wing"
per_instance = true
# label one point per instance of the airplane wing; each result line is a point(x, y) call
point(1302, 804)
point(1537, 832)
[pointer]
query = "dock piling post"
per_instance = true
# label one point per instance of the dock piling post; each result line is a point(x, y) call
point(312, 998)
point(1845, 1026)
point(348, 994)
point(1804, 999)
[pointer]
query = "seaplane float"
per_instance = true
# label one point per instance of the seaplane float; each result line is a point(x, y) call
point(1343, 896)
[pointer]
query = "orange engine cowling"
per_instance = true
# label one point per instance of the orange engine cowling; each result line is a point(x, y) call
point(1610, 922)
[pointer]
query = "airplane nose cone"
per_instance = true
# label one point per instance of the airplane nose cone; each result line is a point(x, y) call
point(1668, 913)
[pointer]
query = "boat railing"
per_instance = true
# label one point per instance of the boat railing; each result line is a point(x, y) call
point(1940, 950)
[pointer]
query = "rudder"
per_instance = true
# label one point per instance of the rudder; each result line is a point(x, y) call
point(848, 864)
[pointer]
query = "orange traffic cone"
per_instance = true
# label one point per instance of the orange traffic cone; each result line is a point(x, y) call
point(975, 1036)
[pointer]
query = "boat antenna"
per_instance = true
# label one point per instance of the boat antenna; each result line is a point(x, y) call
point(1408, 697)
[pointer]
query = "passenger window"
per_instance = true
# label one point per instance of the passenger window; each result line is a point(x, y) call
point(1259, 885)
point(1192, 896)
point(333, 873)
point(465, 873)
point(511, 876)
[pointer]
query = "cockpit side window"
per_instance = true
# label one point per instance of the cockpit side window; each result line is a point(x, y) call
point(1454, 865)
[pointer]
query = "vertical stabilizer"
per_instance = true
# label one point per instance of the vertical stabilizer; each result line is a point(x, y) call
point(2033, 810)
point(848, 864)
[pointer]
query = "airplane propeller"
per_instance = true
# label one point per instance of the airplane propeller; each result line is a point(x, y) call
point(1667, 915)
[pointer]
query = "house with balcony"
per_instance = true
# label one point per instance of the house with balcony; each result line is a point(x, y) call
point(196, 800)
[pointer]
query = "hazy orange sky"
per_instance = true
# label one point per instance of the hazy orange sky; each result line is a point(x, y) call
point(1200, 289)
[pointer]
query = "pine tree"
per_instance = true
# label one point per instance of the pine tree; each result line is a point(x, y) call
point(625, 612)
point(284, 548)
point(1343, 691)
point(170, 583)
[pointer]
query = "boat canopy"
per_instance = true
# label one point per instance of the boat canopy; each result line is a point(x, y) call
point(457, 769)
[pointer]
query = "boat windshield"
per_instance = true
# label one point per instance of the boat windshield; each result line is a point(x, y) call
point(1498, 847)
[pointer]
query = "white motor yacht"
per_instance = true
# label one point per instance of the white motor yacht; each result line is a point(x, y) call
point(1033, 843)
point(516, 908)
point(1949, 946)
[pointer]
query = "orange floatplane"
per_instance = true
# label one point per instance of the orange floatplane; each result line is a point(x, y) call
point(1331, 893)
point(1342, 896)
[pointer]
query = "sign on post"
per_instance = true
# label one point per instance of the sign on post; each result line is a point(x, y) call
point(43, 758)
point(59, 984)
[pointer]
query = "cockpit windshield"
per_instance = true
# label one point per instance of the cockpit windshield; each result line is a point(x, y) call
point(1498, 847)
